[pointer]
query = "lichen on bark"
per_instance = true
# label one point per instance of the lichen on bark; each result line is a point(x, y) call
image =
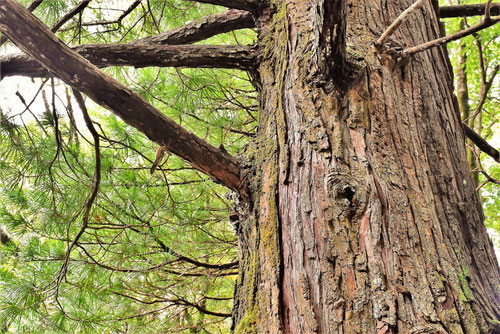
point(363, 211)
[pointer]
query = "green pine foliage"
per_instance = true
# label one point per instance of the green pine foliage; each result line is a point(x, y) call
point(159, 253)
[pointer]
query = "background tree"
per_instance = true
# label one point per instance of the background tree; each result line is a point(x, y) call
point(92, 228)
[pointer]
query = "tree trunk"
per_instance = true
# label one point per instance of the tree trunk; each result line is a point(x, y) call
point(463, 101)
point(364, 217)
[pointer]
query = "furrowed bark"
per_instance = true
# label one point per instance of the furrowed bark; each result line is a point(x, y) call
point(204, 28)
point(467, 10)
point(364, 218)
point(34, 38)
point(141, 55)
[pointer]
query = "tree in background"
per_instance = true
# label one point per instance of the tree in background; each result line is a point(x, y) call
point(350, 195)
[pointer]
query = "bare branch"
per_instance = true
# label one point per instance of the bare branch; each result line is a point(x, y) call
point(468, 10)
point(204, 28)
point(141, 55)
point(485, 23)
point(250, 5)
point(119, 19)
point(75, 11)
point(487, 7)
point(36, 40)
point(481, 143)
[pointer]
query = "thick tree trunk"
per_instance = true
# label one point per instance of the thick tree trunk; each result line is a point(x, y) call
point(364, 216)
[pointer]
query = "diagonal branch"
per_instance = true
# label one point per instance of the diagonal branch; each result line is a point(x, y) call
point(75, 11)
point(485, 23)
point(34, 38)
point(481, 143)
point(468, 10)
point(4, 236)
point(140, 55)
point(34, 5)
point(399, 20)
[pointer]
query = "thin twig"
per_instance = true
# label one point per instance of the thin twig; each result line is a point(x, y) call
point(76, 10)
point(485, 23)
point(95, 186)
point(58, 142)
point(118, 20)
point(400, 19)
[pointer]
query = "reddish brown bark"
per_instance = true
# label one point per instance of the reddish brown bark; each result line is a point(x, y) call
point(365, 218)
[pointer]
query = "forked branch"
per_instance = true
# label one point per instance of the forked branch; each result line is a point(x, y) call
point(72, 13)
point(37, 40)
point(486, 22)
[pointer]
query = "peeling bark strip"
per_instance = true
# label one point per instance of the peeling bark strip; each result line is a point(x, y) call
point(34, 38)
point(140, 55)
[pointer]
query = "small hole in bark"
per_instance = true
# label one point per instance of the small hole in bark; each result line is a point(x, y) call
point(346, 193)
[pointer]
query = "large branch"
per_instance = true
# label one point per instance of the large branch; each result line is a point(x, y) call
point(204, 28)
point(468, 10)
point(250, 5)
point(34, 38)
point(34, 5)
point(141, 55)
